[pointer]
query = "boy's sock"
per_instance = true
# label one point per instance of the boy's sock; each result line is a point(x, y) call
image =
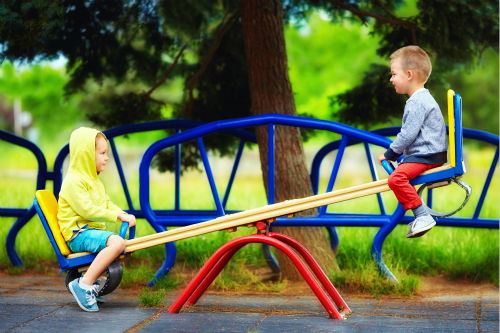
point(419, 211)
point(83, 285)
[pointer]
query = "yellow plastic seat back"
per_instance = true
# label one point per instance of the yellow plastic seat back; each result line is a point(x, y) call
point(48, 204)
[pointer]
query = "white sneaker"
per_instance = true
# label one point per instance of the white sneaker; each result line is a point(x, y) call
point(420, 226)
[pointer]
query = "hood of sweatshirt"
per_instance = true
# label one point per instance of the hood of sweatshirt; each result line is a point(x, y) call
point(82, 151)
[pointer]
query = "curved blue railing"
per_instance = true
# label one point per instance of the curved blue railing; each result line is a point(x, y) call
point(164, 217)
point(23, 214)
point(161, 219)
point(350, 136)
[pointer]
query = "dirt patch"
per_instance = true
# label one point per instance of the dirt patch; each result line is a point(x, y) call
point(433, 286)
point(440, 286)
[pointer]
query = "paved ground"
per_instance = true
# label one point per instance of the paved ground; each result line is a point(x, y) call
point(44, 305)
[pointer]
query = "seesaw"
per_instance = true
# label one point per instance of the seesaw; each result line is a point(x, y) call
point(76, 263)
point(267, 213)
point(260, 218)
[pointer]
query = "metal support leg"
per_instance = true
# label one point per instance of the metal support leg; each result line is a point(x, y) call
point(379, 239)
point(170, 257)
point(335, 306)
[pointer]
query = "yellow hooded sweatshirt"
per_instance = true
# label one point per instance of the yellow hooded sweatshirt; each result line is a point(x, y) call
point(83, 199)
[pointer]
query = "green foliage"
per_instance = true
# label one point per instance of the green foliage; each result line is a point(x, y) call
point(453, 32)
point(479, 89)
point(332, 63)
point(375, 100)
point(123, 109)
point(125, 55)
point(99, 39)
point(40, 89)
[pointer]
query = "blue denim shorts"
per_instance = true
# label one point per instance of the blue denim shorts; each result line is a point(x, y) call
point(90, 240)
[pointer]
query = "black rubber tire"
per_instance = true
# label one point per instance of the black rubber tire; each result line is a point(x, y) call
point(108, 281)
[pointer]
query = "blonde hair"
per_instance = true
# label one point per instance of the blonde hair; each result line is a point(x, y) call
point(414, 58)
point(100, 134)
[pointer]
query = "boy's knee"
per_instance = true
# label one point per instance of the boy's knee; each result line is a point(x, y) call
point(117, 243)
point(396, 179)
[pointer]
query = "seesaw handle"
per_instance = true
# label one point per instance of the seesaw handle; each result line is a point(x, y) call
point(388, 166)
point(123, 231)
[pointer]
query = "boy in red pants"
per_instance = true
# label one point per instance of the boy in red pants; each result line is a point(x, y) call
point(422, 138)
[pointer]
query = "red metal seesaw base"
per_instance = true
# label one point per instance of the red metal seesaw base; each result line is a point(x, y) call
point(302, 259)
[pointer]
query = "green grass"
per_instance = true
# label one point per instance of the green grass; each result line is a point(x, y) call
point(368, 280)
point(237, 276)
point(463, 253)
point(152, 298)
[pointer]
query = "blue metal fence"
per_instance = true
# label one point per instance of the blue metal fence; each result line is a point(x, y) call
point(161, 219)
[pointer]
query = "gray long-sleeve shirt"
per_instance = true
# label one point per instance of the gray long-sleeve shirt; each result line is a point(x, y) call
point(422, 138)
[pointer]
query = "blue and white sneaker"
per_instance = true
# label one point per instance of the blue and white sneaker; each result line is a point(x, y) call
point(420, 226)
point(85, 298)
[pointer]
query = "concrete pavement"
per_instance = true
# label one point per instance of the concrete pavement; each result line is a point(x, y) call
point(42, 304)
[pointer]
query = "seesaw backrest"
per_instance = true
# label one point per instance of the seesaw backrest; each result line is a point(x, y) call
point(455, 131)
point(46, 207)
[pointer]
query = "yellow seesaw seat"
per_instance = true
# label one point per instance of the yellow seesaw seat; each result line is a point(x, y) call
point(48, 204)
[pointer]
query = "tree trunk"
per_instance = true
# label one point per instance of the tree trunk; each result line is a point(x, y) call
point(271, 92)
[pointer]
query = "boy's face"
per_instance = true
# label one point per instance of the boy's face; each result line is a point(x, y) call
point(400, 79)
point(101, 153)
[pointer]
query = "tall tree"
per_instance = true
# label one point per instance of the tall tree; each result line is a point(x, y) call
point(271, 91)
point(231, 56)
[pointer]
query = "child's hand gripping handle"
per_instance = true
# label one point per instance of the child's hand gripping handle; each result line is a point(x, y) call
point(387, 166)
point(123, 231)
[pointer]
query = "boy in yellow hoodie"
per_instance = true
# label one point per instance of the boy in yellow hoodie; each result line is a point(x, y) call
point(84, 210)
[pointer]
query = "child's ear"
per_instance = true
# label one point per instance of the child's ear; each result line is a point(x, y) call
point(410, 74)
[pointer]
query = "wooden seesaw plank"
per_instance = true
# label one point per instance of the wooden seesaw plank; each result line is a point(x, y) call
point(269, 212)
point(265, 213)
point(256, 211)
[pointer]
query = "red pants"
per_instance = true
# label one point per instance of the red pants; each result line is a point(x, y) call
point(399, 182)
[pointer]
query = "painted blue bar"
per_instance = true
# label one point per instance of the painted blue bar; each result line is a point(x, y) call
point(121, 174)
point(123, 231)
point(429, 198)
point(388, 166)
point(459, 160)
point(210, 176)
point(378, 241)
point(10, 242)
point(334, 238)
point(177, 174)
point(271, 168)
point(486, 185)
point(373, 172)
point(58, 167)
point(13, 212)
point(236, 163)
point(335, 169)
point(40, 158)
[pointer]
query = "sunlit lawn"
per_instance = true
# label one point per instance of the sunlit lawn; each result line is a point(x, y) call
point(455, 252)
